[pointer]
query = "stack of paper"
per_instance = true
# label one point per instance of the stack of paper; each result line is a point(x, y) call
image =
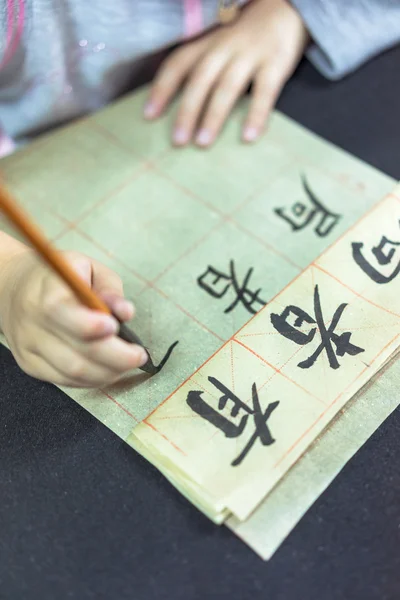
point(229, 434)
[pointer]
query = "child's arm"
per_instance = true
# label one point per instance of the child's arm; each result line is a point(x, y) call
point(347, 33)
point(52, 336)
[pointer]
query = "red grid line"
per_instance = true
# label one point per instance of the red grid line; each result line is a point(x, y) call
point(229, 217)
point(234, 336)
point(125, 147)
point(261, 188)
point(358, 294)
point(201, 386)
point(395, 196)
point(39, 200)
point(191, 316)
point(187, 191)
point(112, 255)
point(119, 143)
point(225, 219)
point(291, 357)
point(291, 448)
point(74, 225)
point(162, 293)
point(166, 438)
point(372, 361)
point(147, 283)
point(232, 370)
point(188, 251)
point(197, 384)
point(119, 405)
point(367, 214)
point(259, 388)
point(375, 207)
point(186, 380)
point(296, 157)
point(280, 372)
point(138, 171)
point(266, 244)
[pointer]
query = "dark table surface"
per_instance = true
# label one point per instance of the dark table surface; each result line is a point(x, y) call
point(82, 516)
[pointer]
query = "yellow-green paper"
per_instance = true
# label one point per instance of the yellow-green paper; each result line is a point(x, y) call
point(172, 223)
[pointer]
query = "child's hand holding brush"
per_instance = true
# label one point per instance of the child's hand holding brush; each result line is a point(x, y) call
point(52, 335)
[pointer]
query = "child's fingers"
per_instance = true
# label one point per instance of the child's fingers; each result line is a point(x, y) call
point(57, 362)
point(71, 369)
point(265, 93)
point(169, 78)
point(232, 84)
point(69, 320)
point(195, 95)
point(64, 315)
point(92, 334)
point(102, 362)
point(114, 354)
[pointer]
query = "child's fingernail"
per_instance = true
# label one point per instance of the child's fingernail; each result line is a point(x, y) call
point(250, 134)
point(203, 137)
point(180, 136)
point(150, 110)
point(123, 304)
point(123, 308)
point(128, 306)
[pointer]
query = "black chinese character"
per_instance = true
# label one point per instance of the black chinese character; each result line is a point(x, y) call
point(302, 214)
point(219, 283)
point(384, 253)
point(328, 335)
point(229, 428)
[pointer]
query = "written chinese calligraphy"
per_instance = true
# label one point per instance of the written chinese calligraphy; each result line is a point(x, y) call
point(309, 211)
point(383, 254)
point(230, 427)
point(328, 336)
point(217, 284)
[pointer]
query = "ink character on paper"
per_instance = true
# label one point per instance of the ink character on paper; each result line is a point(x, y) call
point(310, 211)
point(232, 428)
point(332, 343)
point(218, 284)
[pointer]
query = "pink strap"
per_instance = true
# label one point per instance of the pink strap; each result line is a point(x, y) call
point(193, 17)
point(13, 38)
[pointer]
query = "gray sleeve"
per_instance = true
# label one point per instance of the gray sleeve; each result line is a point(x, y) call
point(347, 33)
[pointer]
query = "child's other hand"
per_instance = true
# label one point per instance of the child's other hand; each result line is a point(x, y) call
point(56, 339)
point(263, 46)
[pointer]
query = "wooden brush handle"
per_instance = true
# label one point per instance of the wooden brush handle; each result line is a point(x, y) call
point(54, 259)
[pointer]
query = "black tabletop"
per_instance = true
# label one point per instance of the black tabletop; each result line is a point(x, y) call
point(83, 516)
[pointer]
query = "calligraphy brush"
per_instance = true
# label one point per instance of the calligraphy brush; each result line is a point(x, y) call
point(57, 262)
